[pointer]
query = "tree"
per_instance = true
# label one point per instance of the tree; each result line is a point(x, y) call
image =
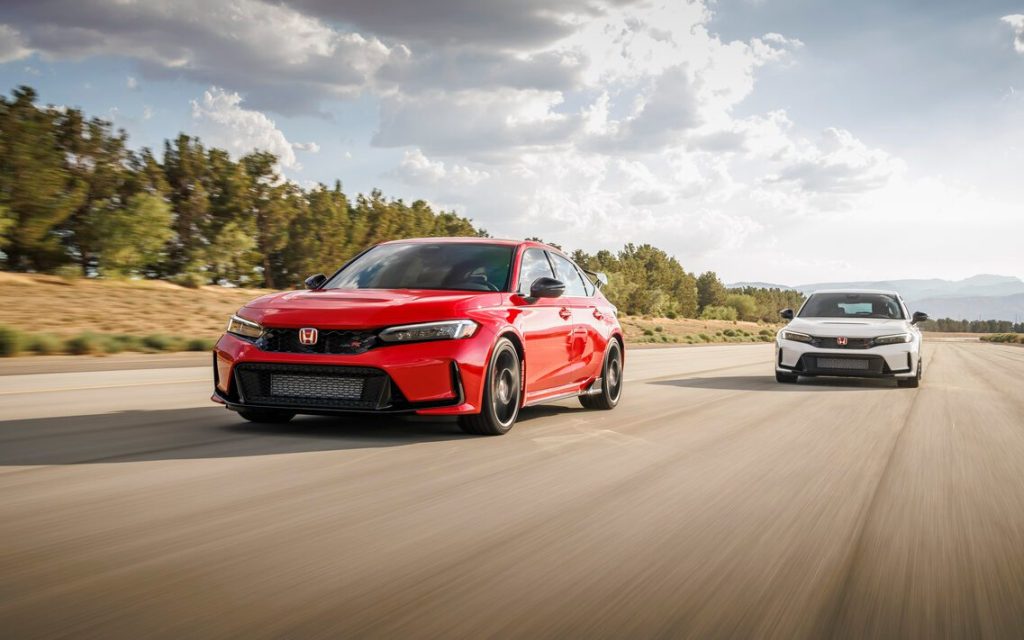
point(710, 290)
point(37, 190)
point(129, 238)
point(745, 305)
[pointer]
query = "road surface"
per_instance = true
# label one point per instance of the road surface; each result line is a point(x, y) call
point(713, 503)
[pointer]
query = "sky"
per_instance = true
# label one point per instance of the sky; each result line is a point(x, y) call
point(784, 141)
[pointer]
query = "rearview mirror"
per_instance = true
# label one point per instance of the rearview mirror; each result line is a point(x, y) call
point(547, 288)
point(919, 316)
point(787, 314)
point(316, 281)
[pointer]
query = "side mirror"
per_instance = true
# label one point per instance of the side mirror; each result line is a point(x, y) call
point(787, 314)
point(547, 288)
point(919, 316)
point(316, 281)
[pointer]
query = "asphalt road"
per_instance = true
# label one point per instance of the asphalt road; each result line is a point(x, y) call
point(713, 503)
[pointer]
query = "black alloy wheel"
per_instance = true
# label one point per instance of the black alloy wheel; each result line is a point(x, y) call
point(502, 394)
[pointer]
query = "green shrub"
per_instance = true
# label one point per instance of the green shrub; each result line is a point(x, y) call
point(765, 338)
point(705, 337)
point(124, 342)
point(648, 332)
point(764, 332)
point(671, 315)
point(85, 344)
point(659, 328)
point(729, 333)
point(12, 342)
point(199, 344)
point(191, 280)
point(159, 342)
point(712, 312)
point(44, 344)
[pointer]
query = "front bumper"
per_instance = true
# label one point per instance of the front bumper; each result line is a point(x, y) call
point(428, 378)
point(888, 361)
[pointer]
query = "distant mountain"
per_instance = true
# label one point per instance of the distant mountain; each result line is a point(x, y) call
point(985, 297)
point(759, 285)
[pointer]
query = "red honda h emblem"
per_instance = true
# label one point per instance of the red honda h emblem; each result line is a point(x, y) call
point(840, 341)
point(308, 335)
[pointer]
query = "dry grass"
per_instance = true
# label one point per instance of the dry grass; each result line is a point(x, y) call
point(647, 330)
point(67, 307)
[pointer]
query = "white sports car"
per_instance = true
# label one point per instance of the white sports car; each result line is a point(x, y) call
point(859, 333)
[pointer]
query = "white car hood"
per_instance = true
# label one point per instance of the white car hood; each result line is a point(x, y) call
point(860, 328)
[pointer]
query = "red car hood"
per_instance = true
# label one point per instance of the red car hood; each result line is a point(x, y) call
point(363, 308)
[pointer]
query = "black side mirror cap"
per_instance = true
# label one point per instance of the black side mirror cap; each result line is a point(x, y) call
point(787, 314)
point(919, 316)
point(547, 288)
point(315, 281)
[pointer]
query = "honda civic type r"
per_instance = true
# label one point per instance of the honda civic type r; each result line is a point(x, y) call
point(862, 333)
point(467, 327)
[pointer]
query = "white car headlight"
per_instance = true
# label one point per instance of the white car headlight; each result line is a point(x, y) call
point(797, 337)
point(244, 328)
point(447, 330)
point(899, 338)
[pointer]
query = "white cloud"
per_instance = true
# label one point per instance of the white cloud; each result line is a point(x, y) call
point(222, 122)
point(309, 147)
point(280, 57)
point(416, 168)
point(1016, 22)
point(132, 83)
point(12, 45)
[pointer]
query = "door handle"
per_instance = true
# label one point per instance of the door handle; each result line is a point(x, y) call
point(565, 313)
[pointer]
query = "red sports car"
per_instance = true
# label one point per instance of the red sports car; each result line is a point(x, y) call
point(470, 327)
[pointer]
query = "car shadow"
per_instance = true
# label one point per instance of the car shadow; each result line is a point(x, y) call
point(768, 383)
point(134, 436)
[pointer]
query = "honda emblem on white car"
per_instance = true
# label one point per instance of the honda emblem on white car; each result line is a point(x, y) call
point(308, 335)
point(841, 341)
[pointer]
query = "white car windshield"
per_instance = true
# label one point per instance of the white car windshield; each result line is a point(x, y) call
point(852, 305)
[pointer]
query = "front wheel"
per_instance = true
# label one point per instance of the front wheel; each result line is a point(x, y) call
point(915, 382)
point(501, 394)
point(611, 381)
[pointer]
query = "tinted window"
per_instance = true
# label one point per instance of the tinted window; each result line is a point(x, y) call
point(535, 265)
point(416, 265)
point(852, 305)
point(567, 273)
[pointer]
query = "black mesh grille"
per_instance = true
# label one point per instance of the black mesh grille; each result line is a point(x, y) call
point(833, 365)
point(329, 341)
point(851, 343)
point(314, 386)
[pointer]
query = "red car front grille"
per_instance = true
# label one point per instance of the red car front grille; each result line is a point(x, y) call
point(329, 341)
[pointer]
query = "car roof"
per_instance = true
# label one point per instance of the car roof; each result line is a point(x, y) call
point(475, 240)
point(888, 292)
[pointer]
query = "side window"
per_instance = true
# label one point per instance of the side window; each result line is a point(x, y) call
point(567, 273)
point(534, 265)
point(587, 284)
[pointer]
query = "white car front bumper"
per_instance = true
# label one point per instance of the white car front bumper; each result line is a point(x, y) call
point(892, 360)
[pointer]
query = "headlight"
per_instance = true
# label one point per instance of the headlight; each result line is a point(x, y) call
point(244, 328)
point(899, 338)
point(449, 330)
point(797, 337)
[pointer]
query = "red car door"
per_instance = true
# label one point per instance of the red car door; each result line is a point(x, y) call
point(547, 328)
point(581, 351)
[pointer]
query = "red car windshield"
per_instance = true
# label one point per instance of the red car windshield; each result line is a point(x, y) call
point(420, 265)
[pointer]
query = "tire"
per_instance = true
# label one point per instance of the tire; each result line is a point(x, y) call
point(915, 382)
point(611, 380)
point(786, 378)
point(266, 416)
point(502, 394)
